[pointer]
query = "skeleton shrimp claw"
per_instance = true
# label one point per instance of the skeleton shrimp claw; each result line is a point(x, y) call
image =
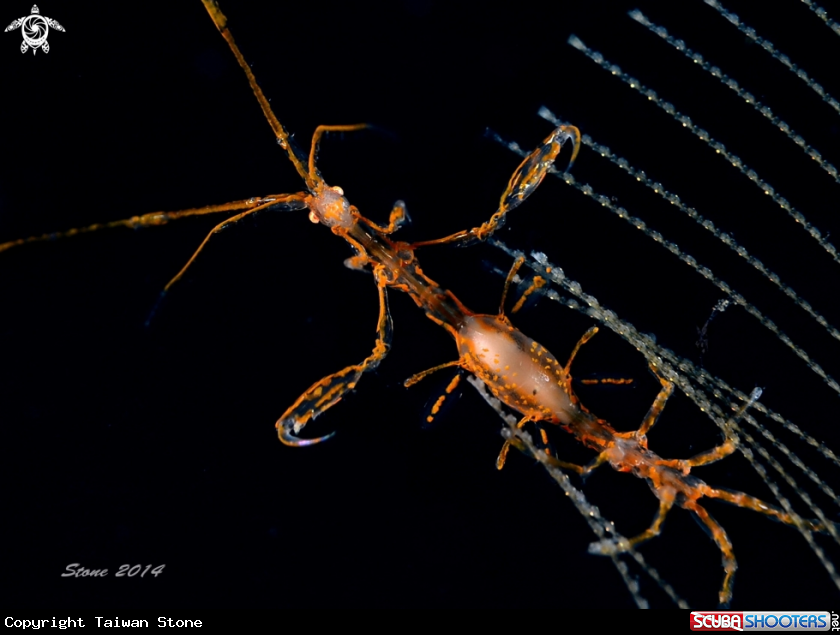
point(287, 433)
point(327, 392)
point(525, 179)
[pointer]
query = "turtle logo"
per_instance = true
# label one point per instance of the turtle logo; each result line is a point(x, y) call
point(35, 29)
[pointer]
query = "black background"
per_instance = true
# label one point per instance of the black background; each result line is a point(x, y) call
point(125, 444)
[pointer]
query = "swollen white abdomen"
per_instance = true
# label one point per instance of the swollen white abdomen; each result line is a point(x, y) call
point(519, 371)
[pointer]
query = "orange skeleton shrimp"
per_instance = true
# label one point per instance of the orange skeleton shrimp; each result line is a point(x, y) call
point(538, 386)
point(517, 370)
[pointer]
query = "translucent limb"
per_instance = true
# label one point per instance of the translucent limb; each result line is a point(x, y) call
point(591, 514)
point(327, 392)
point(154, 219)
point(453, 384)
point(724, 544)
point(617, 381)
point(568, 367)
point(583, 340)
point(296, 198)
point(734, 296)
point(656, 409)
point(701, 375)
point(726, 238)
point(526, 178)
point(398, 217)
point(511, 275)
point(283, 137)
point(757, 505)
point(729, 445)
point(549, 458)
point(612, 545)
point(503, 453)
point(425, 373)
point(314, 175)
point(537, 283)
point(682, 372)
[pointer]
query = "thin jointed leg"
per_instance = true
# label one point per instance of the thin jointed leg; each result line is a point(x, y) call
point(223, 225)
point(656, 409)
point(511, 275)
point(331, 389)
point(526, 178)
point(722, 541)
point(314, 175)
point(751, 502)
point(609, 546)
point(156, 219)
point(397, 218)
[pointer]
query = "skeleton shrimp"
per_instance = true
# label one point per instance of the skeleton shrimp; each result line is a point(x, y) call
point(330, 288)
point(518, 370)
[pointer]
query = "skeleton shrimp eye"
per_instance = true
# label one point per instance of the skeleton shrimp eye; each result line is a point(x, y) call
point(329, 206)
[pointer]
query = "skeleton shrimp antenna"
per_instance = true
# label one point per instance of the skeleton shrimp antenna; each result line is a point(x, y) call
point(682, 373)
point(279, 202)
point(706, 138)
point(285, 202)
point(733, 85)
point(767, 45)
point(283, 137)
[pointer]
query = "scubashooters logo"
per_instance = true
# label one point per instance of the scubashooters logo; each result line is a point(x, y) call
point(35, 28)
point(785, 621)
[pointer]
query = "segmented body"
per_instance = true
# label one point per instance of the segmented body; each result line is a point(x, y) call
point(804, 395)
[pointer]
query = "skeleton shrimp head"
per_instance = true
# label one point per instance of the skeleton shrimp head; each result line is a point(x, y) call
point(518, 370)
point(328, 206)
